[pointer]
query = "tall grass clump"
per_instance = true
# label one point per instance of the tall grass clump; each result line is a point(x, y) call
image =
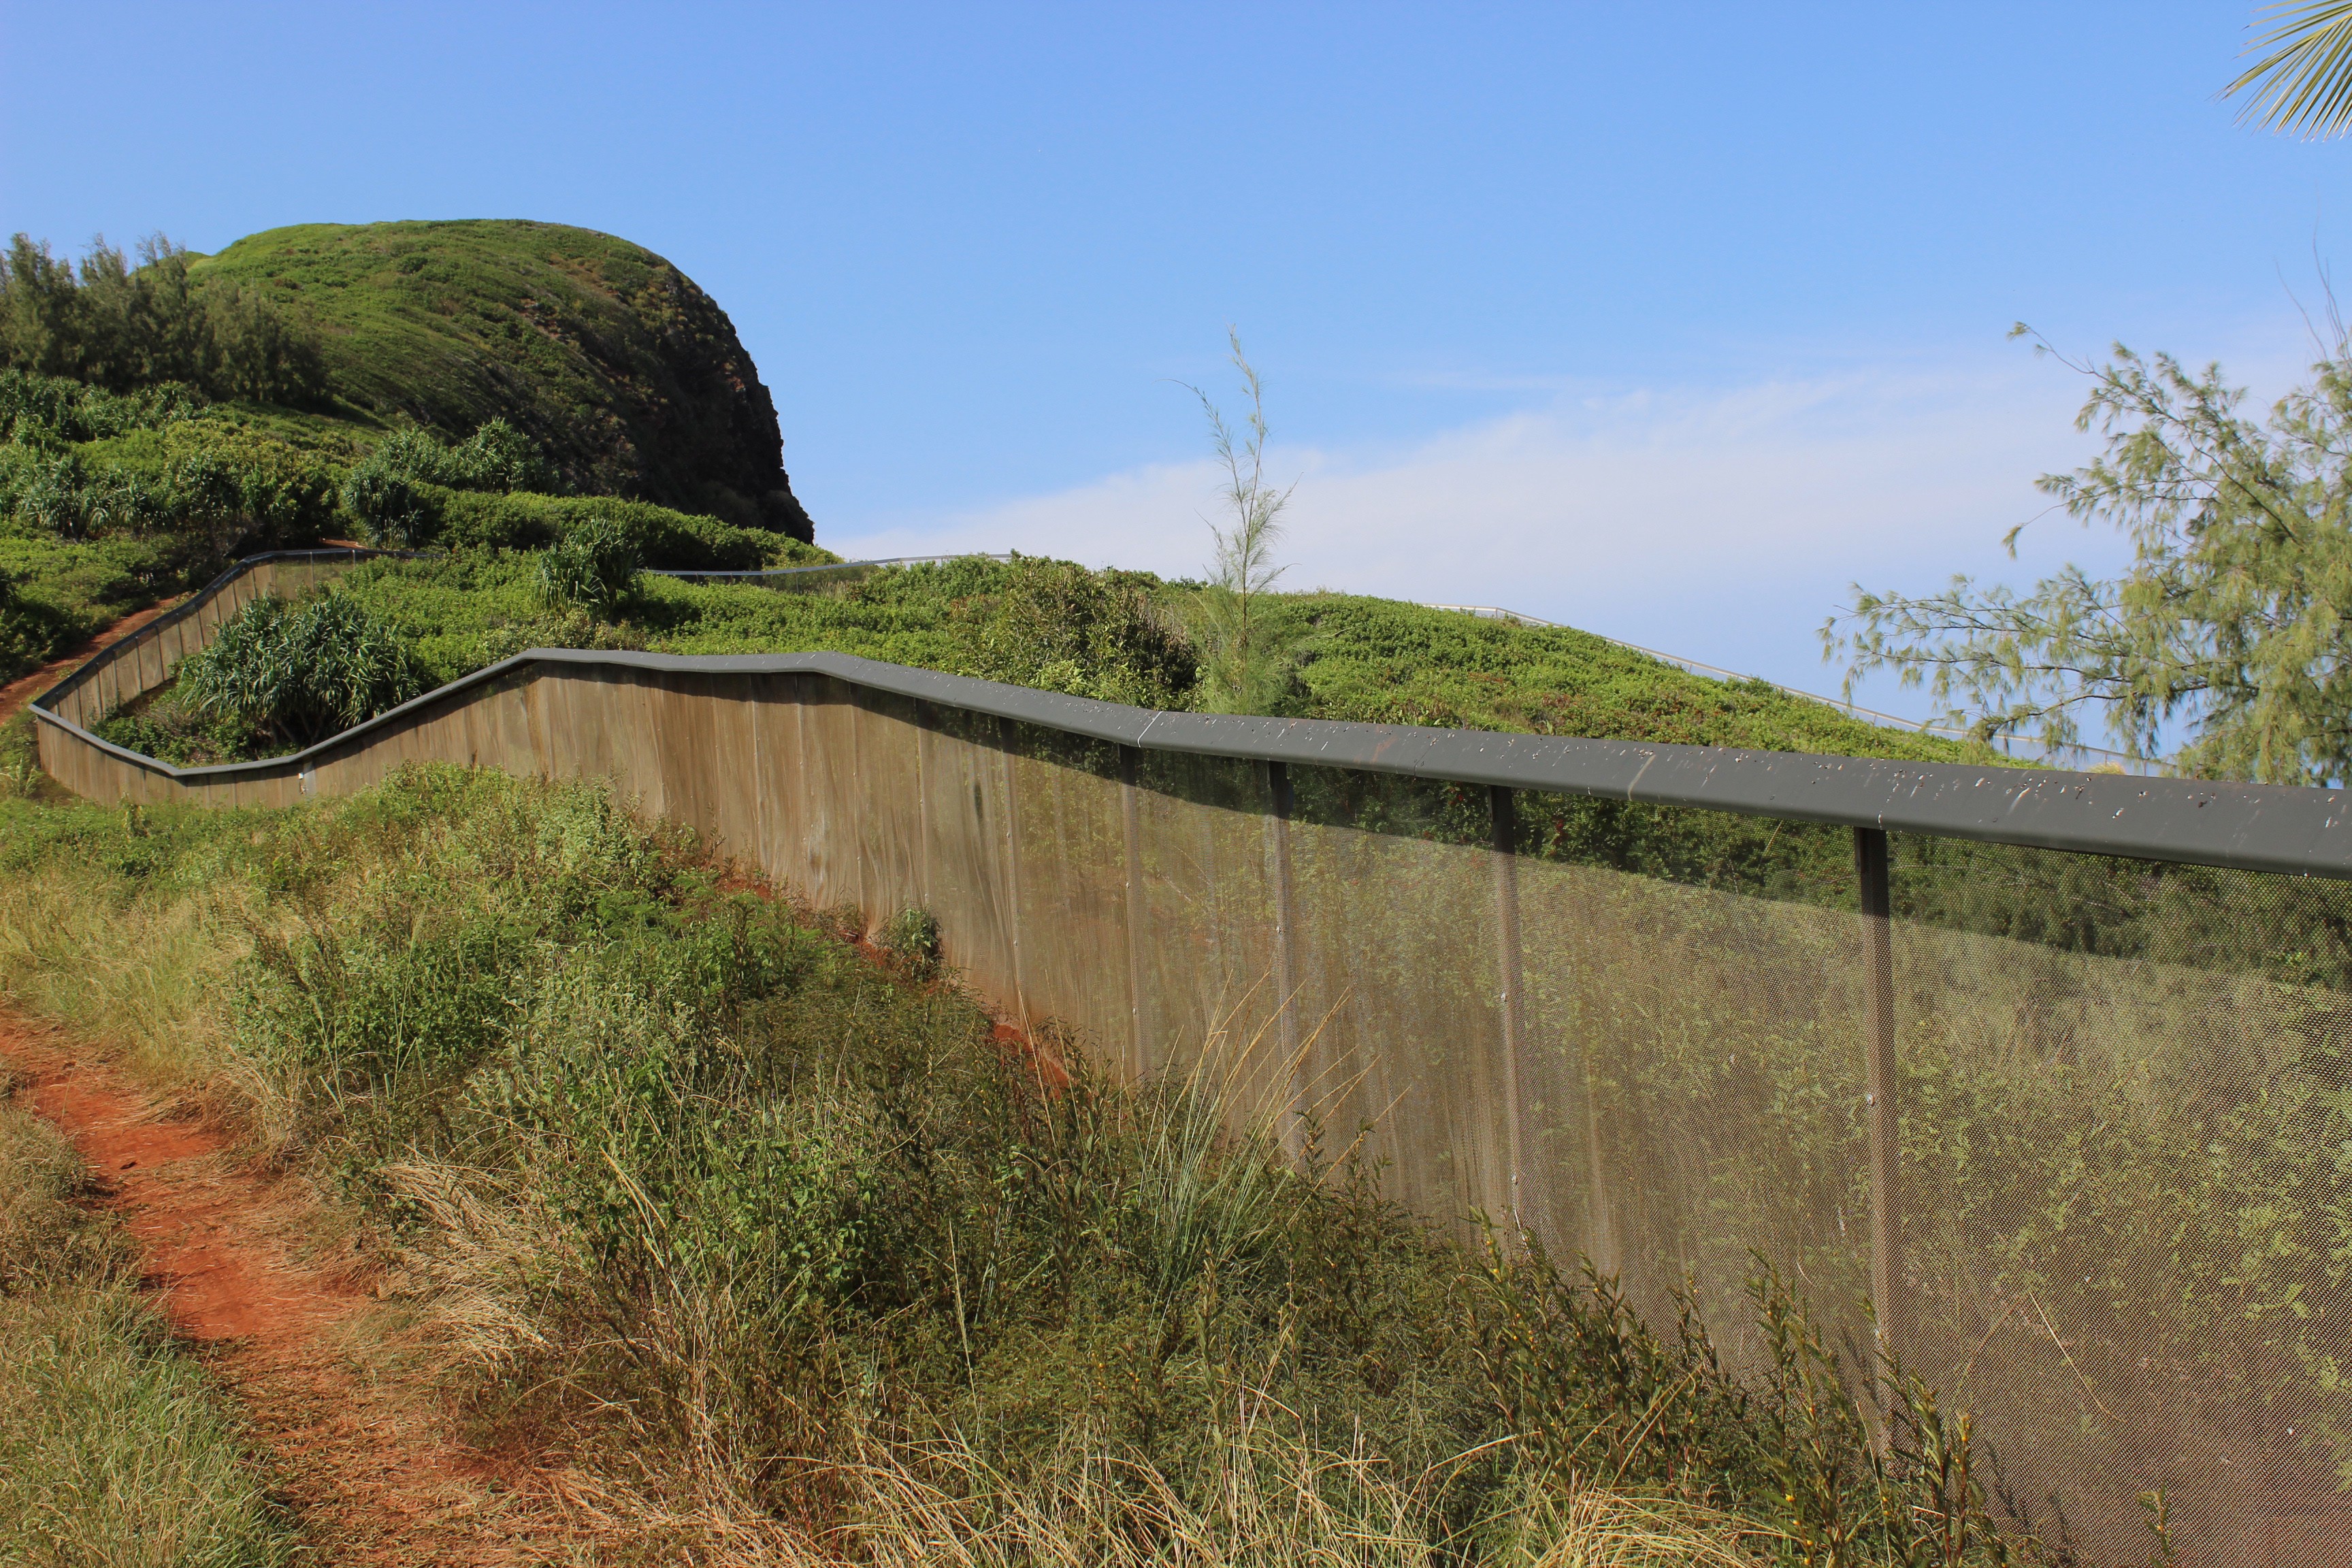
point(787, 1244)
point(115, 1450)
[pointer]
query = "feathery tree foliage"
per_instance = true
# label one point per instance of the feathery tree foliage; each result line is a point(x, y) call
point(1243, 669)
point(2232, 620)
point(121, 327)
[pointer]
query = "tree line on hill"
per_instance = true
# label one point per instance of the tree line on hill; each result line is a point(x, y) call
point(122, 327)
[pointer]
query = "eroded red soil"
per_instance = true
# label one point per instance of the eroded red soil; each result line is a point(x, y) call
point(367, 1464)
point(25, 688)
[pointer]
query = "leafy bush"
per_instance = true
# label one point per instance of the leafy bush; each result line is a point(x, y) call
point(497, 457)
point(912, 936)
point(392, 513)
point(1057, 626)
point(203, 478)
point(40, 409)
point(63, 592)
point(297, 675)
point(594, 567)
point(670, 539)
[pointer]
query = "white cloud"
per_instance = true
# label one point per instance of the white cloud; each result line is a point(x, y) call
point(1722, 526)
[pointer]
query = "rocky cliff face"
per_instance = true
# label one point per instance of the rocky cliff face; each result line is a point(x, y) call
point(627, 375)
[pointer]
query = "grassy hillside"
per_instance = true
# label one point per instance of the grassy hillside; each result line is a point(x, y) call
point(402, 384)
point(1382, 661)
point(625, 373)
point(1121, 637)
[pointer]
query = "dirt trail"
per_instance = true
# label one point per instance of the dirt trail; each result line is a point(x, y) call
point(25, 688)
point(365, 1464)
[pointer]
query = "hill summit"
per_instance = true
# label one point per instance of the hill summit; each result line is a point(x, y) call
point(626, 374)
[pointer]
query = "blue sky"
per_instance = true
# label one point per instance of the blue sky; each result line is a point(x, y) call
point(1670, 321)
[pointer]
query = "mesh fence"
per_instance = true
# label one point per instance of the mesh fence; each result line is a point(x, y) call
point(2122, 1219)
point(2103, 1199)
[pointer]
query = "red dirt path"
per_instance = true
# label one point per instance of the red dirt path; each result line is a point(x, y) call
point(25, 688)
point(367, 1467)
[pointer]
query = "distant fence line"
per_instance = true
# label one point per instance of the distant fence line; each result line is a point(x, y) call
point(1999, 1098)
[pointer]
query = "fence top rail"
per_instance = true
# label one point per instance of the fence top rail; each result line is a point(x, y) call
point(2255, 828)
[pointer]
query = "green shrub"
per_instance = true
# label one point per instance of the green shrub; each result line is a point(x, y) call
point(297, 675)
point(593, 568)
point(912, 936)
point(38, 408)
point(392, 513)
point(1057, 626)
point(497, 457)
point(668, 540)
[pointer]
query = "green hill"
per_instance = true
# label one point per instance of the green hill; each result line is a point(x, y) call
point(626, 374)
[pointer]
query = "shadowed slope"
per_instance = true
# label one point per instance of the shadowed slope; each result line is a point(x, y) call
point(627, 375)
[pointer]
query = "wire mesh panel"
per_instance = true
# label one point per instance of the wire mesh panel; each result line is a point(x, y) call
point(827, 743)
point(1395, 1018)
point(1694, 1065)
point(967, 869)
point(886, 815)
point(1205, 903)
point(2127, 1096)
point(1067, 852)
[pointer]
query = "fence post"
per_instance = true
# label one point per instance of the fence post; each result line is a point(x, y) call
point(1286, 961)
point(1872, 873)
point(1129, 761)
point(1007, 740)
point(923, 803)
point(1503, 806)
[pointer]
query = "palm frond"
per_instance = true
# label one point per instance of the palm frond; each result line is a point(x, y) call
point(2303, 82)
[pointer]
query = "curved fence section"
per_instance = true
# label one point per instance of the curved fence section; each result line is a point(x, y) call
point(144, 661)
point(2038, 1084)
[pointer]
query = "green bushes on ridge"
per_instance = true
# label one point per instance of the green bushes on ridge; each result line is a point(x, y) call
point(1033, 621)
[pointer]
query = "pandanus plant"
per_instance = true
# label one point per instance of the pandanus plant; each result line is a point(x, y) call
point(297, 674)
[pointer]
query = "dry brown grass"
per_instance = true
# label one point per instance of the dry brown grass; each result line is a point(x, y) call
point(1278, 1503)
